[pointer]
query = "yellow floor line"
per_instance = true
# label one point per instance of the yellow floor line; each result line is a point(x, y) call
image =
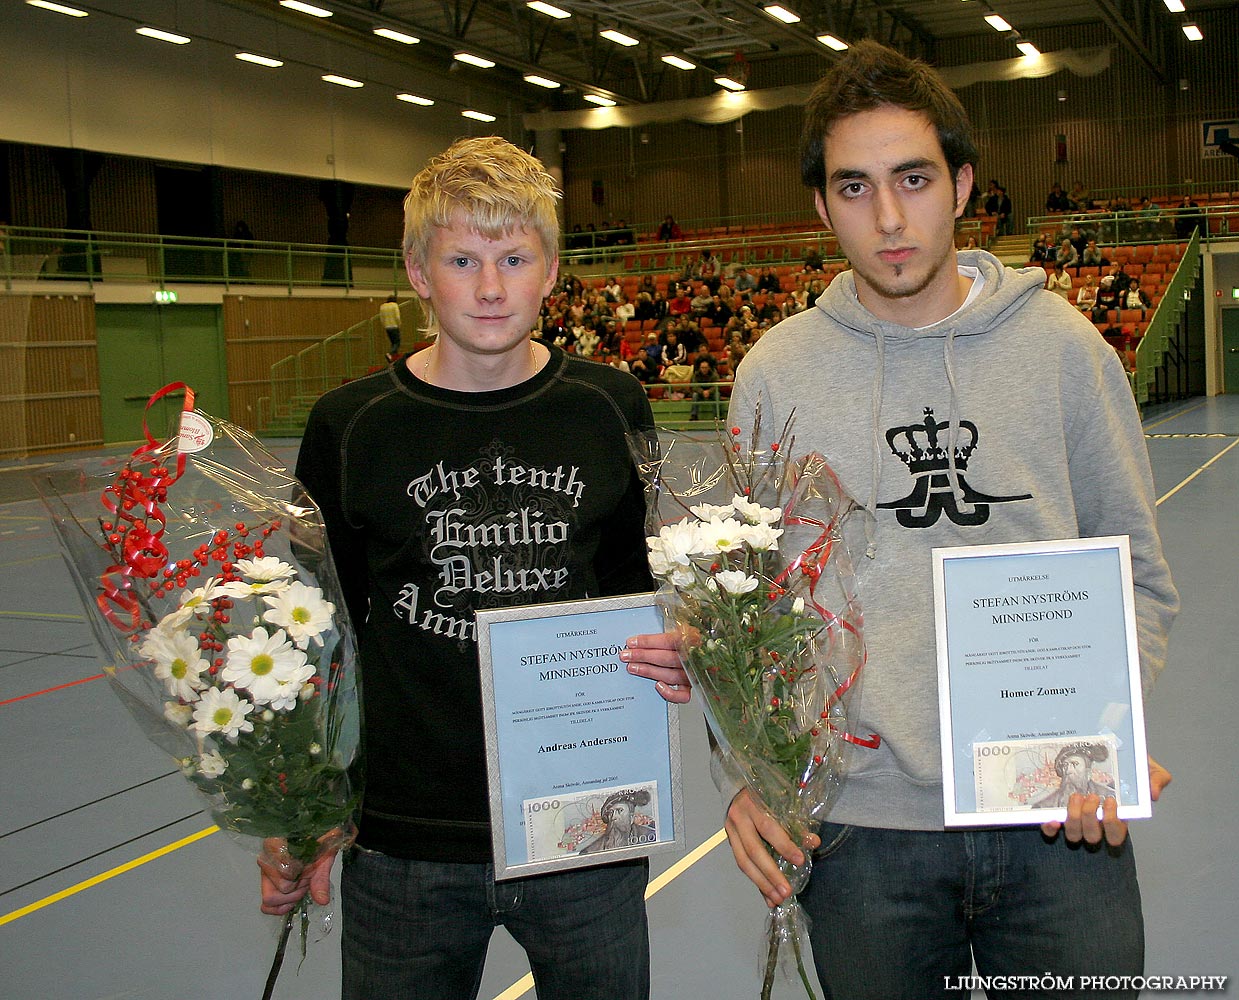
point(525, 983)
point(42, 614)
point(1161, 500)
point(73, 890)
point(1175, 416)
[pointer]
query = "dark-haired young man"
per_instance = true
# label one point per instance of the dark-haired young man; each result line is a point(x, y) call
point(1047, 444)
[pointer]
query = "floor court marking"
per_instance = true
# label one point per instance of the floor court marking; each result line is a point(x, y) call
point(1161, 500)
point(525, 983)
point(111, 873)
point(1175, 416)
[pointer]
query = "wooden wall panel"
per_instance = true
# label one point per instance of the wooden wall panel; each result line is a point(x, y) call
point(49, 374)
point(258, 332)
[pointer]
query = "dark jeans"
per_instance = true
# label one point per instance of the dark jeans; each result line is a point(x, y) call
point(896, 912)
point(420, 929)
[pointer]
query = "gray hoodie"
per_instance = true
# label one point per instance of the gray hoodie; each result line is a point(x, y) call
point(1009, 421)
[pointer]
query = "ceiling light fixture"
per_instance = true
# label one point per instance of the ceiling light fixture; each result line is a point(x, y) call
point(997, 22)
point(307, 8)
point(1174, 6)
point(58, 8)
point(472, 60)
point(728, 83)
point(257, 60)
point(404, 38)
point(831, 42)
point(602, 102)
point(1030, 50)
point(679, 62)
point(550, 10)
point(163, 36)
point(342, 81)
point(618, 37)
point(542, 81)
point(1193, 32)
point(781, 13)
point(477, 116)
point(424, 102)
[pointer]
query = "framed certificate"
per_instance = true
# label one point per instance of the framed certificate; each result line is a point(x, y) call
point(1038, 680)
point(583, 757)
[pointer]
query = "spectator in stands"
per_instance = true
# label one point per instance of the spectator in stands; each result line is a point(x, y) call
point(1092, 256)
point(1056, 200)
point(745, 282)
point(616, 362)
point(701, 302)
point(970, 243)
point(1107, 299)
point(1067, 255)
point(768, 281)
point(612, 289)
point(625, 310)
point(1078, 240)
point(1136, 298)
point(1058, 281)
point(705, 389)
point(646, 284)
point(1149, 216)
point(1122, 280)
point(1041, 251)
point(735, 352)
point(1079, 197)
point(662, 308)
point(669, 230)
point(991, 198)
point(706, 269)
point(816, 287)
point(812, 259)
point(673, 352)
point(797, 300)
point(587, 342)
point(1086, 297)
point(718, 312)
point(1187, 217)
point(1006, 221)
point(389, 316)
point(681, 305)
point(691, 337)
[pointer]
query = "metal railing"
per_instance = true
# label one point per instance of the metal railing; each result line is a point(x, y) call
point(35, 254)
point(1164, 323)
point(1165, 225)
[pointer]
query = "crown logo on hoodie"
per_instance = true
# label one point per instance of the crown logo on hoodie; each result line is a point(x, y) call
point(926, 450)
point(923, 447)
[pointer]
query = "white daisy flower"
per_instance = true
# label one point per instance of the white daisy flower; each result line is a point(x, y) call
point(755, 513)
point(211, 764)
point(301, 611)
point(190, 603)
point(265, 569)
point(261, 664)
point(178, 662)
point(798, 606)
point(677, 541)
point(760, 537)
point(250, 588)
point(178, 714)
point(735, 582)
point(288, 689)
point(719, 535)
point(705, 511)
point(223, 712)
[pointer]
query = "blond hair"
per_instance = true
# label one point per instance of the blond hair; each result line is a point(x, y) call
point(490, 186)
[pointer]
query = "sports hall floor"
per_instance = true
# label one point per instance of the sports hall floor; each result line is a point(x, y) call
point(112, 886)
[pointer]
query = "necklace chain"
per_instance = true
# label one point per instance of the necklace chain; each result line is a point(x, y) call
point(433, 352)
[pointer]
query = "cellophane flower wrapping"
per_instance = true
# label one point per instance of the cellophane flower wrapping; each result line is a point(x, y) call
point(753, 549)
point(204, 569)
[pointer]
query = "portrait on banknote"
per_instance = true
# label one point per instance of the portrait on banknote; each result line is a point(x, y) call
point(1038, 680)
point(583, 758)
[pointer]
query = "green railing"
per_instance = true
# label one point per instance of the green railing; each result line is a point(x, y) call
point(299, 379)
point(32, 254)
point(1164, 323)
point(1213, 221)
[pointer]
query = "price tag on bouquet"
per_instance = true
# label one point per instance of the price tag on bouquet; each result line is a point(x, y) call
point(1038, 680)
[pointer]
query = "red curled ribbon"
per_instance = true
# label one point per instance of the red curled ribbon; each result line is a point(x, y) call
point(810, 563)
point(133, 499)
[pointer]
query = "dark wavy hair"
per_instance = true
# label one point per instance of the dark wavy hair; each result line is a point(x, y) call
point(869, 76)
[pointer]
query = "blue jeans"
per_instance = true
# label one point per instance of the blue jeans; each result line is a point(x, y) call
point(420, 929)
point(896, 912)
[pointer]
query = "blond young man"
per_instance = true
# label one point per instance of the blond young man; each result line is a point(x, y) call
point(481, 429)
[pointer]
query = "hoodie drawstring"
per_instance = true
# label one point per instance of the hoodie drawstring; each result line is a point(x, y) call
point(875, 472)
point(952, 433)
